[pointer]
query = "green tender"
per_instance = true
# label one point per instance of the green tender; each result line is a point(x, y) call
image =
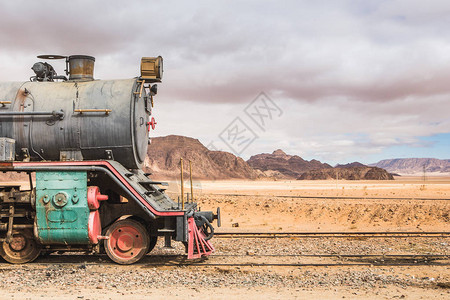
point(62, 212)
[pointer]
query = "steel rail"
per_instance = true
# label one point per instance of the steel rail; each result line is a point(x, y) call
point(196, 264)
point(393, 234)
point(381, 256)
point(335, 197)
point(338, 264)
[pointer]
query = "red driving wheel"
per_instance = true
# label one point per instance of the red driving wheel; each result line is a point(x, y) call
point(128, 241)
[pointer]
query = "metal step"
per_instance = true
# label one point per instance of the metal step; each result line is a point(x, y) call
point(154, 182)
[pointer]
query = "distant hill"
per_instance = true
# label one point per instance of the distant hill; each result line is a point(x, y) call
point(280, 164)
point(164, 160)
point(348, 173)
point(414, 166)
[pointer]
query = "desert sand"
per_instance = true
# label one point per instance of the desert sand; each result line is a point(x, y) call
point(272, 206)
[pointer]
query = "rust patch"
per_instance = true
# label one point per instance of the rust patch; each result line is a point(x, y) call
point(19, 105)
point(6, 166)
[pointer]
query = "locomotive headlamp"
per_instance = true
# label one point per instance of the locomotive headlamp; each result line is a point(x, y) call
point(152, 69)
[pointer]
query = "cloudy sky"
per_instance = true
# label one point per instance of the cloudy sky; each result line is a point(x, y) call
point(338, 81)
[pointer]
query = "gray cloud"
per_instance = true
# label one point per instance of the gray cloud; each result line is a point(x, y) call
point(359, 75)
point(306, 51)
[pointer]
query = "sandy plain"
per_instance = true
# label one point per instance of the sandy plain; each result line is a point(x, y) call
point(294, 205)
point(273, 206)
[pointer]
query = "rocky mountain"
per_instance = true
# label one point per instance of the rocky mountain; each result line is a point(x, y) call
point(351, 165)
point(280, 164)
point(164, 160)
point(348, 173)
point(415, 166)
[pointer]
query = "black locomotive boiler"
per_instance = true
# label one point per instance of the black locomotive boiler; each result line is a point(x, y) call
point(82, 143)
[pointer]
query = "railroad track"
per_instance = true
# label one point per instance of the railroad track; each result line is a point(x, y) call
point(312, 260)
point(256, 260)
point(343, 234)
point(274, 260)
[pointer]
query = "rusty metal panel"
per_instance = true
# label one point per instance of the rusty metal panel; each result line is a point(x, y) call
point(7, 149)
point(62, 211)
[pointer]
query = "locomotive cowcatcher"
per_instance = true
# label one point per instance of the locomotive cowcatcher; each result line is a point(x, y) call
point(83, 143)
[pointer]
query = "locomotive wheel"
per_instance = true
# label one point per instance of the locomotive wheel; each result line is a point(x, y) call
point(128, 241)
point(23, 248)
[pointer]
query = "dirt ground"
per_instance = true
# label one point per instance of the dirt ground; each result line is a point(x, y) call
point(260, 205)
point(233, 293)
point(272, 206)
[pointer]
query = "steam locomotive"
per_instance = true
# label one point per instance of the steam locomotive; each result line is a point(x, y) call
point(82, 143)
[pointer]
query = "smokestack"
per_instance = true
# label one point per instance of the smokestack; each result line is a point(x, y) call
point(81, 67)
